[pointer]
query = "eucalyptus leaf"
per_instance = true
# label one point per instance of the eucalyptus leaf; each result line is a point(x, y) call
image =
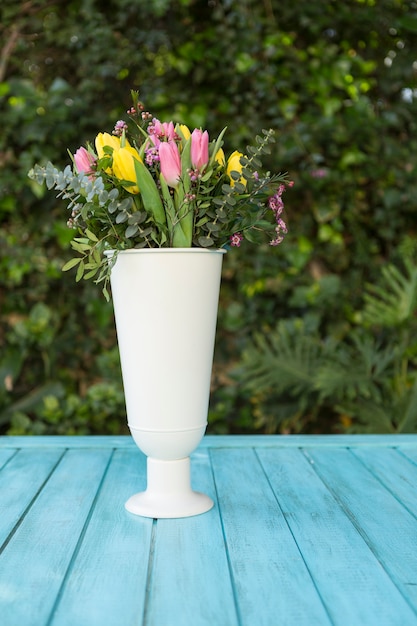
point(137, 218)
point(126, 204)
point(214, 227)
point(239, 188)
point(121, 217)
point(205, 242)
point(131, 230)
point(113, 194)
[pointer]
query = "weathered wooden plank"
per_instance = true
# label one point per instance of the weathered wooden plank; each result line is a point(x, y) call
point(351, 582)
point(20, 480)
point(218, 441)
point(190, 583)
point(387, 527)
point(409, 452)
point(395, 470)
point(272, 583)
point(6, 455)
point(58, 441)
point(106, 582)
point(35, 560)
point(307, 441)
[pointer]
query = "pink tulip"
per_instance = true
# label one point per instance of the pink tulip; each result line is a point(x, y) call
point(160, 131)
point(199, 149)
point(84, 161)
point(170, 162)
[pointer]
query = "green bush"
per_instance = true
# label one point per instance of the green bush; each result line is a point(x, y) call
point(298, 379)
point(337, 81)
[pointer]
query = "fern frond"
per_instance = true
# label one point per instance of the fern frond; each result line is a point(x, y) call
point(282, 361)
point(406, 413)
point(368, 417)
point(393, 301)
point(358, 368)
point(395, 412)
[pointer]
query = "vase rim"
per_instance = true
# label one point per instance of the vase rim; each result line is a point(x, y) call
point(162, 250)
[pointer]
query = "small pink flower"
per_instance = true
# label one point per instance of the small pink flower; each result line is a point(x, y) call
point(199, 149)
point(170, 161)
point(151, 155)
point(84, 161)
point(236, 239)
point(119, 128)
point(276, 205)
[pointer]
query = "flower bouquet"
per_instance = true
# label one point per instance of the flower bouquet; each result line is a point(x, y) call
point(157, 184)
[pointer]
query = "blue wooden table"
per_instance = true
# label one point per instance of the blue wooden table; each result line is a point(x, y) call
point(304, 531)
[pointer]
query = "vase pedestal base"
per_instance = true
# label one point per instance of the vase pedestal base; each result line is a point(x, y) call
point(168, 493)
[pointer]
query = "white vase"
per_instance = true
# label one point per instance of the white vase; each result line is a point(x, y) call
point(165, 304)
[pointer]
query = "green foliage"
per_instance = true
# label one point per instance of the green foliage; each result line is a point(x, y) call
point(338, 83)
point(100, 410)
point(394, 300)
point(368, 379)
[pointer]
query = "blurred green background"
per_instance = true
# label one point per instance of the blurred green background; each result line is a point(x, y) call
point(316, 336)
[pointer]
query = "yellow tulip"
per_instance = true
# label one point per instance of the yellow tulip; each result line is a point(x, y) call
point(234, 165)
point(220, 158)
point(105, 139)
point(124, 166)
point(185, 131)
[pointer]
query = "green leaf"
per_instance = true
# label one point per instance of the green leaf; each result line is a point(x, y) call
point(186, 165)
point(91, 235)
point(207, 176)
point(96, 255)
point(149, 193)
point(131, 230)
point(169, 207)
point(137, 218)
point(80, 247)
point(70, 264)
point(216, 148)
point(186, 217)
point(214, 227)
point(80, 271)
point(205, 242)
point(121, 217)
point(90, 274)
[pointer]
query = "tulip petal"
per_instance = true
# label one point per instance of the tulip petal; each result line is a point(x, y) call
point(124, 167)
point(170, 161)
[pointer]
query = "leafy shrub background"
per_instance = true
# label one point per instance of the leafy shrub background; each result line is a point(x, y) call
point(318, 335)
